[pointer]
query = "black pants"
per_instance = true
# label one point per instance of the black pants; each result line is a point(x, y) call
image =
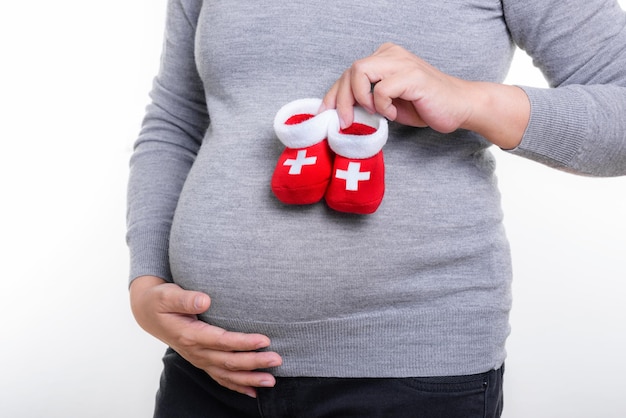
point(188, 392)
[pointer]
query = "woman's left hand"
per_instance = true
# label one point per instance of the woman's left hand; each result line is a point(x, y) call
point(404, 88)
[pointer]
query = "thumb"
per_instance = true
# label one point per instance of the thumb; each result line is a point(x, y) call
point(178, 300)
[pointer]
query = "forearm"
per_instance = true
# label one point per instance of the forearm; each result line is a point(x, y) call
point(500, 113)
point(157, 174)
point(170, 137)
point(578, 125)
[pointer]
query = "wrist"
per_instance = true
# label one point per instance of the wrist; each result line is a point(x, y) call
point(500, 113)
point(143, 283)
point(138, 289)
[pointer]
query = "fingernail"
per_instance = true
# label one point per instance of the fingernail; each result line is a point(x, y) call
point(342, 124)
point(262, 344)
point(266, 383)
point(251, 393)
point(197, 302)
point(274, 363)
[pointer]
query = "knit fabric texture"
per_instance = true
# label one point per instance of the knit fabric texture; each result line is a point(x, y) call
point(421, 287)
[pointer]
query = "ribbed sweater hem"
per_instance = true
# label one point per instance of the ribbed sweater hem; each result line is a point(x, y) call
point(392, 343)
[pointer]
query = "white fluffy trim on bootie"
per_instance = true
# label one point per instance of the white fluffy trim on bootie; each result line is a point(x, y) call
point(308, 132)
point(359, 146)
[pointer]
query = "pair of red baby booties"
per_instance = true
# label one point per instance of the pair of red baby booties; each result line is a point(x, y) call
point(322, 161)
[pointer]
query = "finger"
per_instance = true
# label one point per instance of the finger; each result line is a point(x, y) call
point(216, 338)
point(396, 108)
point(245, 390)
point(174, 299)
point(242, 362)
point(345, 100)
point(242, 382)
point(383, 94)
point(242, 379)
point(363, 79)
point(407, 115)
point(407, 86)
point(330, 99)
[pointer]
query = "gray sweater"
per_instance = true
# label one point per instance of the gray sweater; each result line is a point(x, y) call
point(422, 286)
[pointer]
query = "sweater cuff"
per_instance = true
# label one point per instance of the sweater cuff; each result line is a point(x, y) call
point(558, 126)
point(149, 254)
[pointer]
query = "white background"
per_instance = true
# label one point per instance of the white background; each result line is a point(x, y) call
point(74, 79)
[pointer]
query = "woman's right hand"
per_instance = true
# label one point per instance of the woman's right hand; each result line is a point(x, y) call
point(169, 313)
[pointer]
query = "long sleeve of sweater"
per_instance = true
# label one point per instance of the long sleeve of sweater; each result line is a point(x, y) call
point(171, 133)
point(578, 125)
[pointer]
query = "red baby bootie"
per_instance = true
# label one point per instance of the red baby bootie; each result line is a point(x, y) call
point(303, 170)
point(358, 176)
